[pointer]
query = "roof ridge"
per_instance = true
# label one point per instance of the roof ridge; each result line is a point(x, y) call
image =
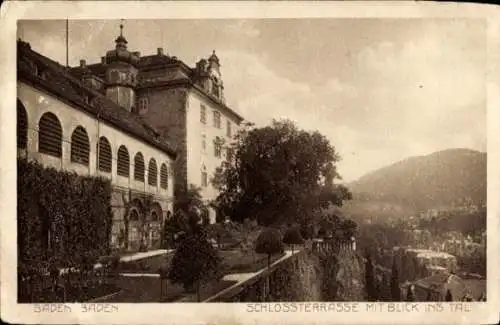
point(76, 89)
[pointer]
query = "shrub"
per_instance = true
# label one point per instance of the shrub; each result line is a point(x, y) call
point(76, 209)
point(395, 291)
point(293, 237)
point(195, 262)
point(269, 242)
point(307, 231)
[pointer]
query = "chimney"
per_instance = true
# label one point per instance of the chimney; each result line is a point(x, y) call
point(103, 60)
point(82, 64)
point(159, 51)
point(137, 54)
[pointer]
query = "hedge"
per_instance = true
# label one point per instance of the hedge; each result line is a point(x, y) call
point(76, 208)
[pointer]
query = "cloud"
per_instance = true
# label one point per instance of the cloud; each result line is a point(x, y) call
point(407, 99)
point(414, 92)
point(241, 28)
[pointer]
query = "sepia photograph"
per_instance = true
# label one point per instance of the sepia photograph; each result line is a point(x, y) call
point(251, 160)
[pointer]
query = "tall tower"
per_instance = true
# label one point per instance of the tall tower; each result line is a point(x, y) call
point(217, 87)
point(121, 73)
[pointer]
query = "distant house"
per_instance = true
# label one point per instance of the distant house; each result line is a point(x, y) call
point(435, 288)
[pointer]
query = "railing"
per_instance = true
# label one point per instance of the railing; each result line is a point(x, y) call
point(334, 246)
point(43, 285)
point(258, 288)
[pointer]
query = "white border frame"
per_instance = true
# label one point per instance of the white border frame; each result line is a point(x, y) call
point(234, 313)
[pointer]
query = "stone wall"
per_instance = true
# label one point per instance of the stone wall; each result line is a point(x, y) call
point(414, 263)
point(167, 113)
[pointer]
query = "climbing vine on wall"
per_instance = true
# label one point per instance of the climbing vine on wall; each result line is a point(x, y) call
point(63, 218)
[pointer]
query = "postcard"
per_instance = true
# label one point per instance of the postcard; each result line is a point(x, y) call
point(246, 162)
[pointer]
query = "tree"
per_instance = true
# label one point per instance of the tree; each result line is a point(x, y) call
point(269, 242)
point(449, 296)
point(326, 226)
point(293, 237)
point(195, 262)
point(370, 280)
point(349, 228)
point(395, 291)
point(163, 271)
point(409, 294)
point(276, 174)
point(190, 202)
point(307, 230)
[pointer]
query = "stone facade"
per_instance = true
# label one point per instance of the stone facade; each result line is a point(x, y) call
point(139, 206)
point(170, 96)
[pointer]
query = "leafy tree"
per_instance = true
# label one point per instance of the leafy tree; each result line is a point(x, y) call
point(326, 226)
point(370, 280)
point(195, 262)
point(395, 291)
point(293, 237)
point(349, 228)
point(276, 174)
point(269, 242)
point(190, 202)
point(307, 230)
point(188, 216)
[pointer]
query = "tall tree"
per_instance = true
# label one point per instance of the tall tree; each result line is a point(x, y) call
point(195, 261)
point(278, 174)
point(190, 202)
point(409, 294)
point(449, 296)
point(395, 291)
point(370, 280)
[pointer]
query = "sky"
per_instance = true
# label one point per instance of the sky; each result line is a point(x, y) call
point(381, 90)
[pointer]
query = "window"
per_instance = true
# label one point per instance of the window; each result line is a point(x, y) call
point(163, 176)
point(104, 155)
point(203, 114)
point(134, 216)
point(152, 173)
point(123, 166)
point(228, 128)
point(215, 90)
point(22, 125)
point(50, 135)
point(204, 176)
point(139, 167)
point(80, 146)
point(217, 147)
point(217, 119)
point(154, 216)
point(143, 104)
point(204, 142)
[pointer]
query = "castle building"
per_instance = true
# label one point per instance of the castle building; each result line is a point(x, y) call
point(71, 124)
point(186, 105)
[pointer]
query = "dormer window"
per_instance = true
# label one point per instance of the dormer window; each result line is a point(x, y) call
point(215, 90)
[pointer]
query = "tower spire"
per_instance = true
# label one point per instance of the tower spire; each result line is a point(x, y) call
point(121, 27)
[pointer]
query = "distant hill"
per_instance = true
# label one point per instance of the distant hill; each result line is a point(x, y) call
point(441, 179)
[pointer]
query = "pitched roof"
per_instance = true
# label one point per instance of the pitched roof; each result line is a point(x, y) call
point(179, 73)
point(443, 282)
point(48, 75)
